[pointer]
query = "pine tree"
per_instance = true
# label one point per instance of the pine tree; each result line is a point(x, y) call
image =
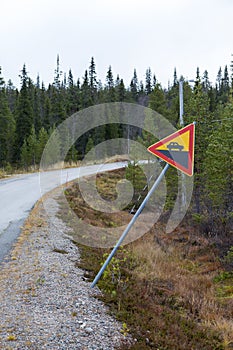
point(37, 112)
point(173, 103)
point(111, 96)
point(57, 75)
point(86, 98)
point(175, 80)
point(24, 156)
point(206, 82)
point(93, 81)
point(198, 75)
point(32, 148)
point(45, 108)
point(11, 94)
point(42, 140)
point(226, 85)
point(121, 91)
point(154, 81)
point(219, 79)
point(57, 105)
point(24, 114)
point(134, 88)
point(73, 96)
point(157, 100)
point(218, 173)
point(148, 86)
point(52, 154)
point(89, 145)
point(197, 109)
point(7, 127)
point(231, 67)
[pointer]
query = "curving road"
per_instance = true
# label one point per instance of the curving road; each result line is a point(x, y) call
point(18, 195)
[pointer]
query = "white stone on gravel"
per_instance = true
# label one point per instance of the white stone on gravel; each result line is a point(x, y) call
point(45, 302)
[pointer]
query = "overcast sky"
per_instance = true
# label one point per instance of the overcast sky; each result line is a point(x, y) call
point(126, 34)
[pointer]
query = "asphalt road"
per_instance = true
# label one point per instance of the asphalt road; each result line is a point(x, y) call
point(19, 194)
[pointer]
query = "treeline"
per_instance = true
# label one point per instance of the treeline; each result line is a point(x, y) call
point(29, 115)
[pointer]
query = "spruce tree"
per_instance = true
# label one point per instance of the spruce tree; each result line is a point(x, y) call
point(57, 104)
point(73, 96)
point(24, 156)
point(121, 91)
point(175, 80)
point(111, 96)
point(219, 79)
point(218, 173)
point(42, 140)
point(7, 127)
point(37, 112)
point(148, 85)
point(157, 100)
point(45, 107)
point(11, 93)
point(24, 114)
point(86, 98)
point(93, 81)
point(206, 82)
point(231, 67)
point(57, 75)
point(134, 88)
point(32, 148)
point(197, 109)
point(226, 86)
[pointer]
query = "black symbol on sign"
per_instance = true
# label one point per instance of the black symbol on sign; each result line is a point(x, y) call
point(175, 146)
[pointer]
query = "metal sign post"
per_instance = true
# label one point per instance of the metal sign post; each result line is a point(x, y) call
point(153, 188)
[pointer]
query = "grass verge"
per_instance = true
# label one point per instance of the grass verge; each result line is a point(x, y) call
point(169, 292)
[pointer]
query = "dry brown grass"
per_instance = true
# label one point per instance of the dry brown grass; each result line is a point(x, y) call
point(166, 290)
point(3, 174)
point(194, 289)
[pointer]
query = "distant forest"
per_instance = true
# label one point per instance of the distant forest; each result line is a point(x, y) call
point(29, 115)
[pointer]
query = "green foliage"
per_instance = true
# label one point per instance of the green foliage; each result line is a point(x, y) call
point(112, 275)
point(25, 160)
point(27, 117)
point(157, 100)
point(223, 276)
point(136, 176)
point(89, 145)
point(146, 303)
point(7, 128)
point(218, 172)
point(125, 330)
point(224, 281)
point(148, 313)
point(229, 257)
point(24, 113)
point(42, 140)
point(32, 148)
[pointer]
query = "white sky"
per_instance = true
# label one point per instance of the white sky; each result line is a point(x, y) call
point(126, 34)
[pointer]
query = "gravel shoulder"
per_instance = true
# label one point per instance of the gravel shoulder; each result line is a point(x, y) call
point(45, 301)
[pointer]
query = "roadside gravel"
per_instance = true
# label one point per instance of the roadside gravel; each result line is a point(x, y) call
point(45, 301)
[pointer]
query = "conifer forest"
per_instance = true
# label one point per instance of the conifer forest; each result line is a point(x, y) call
point(29, 114)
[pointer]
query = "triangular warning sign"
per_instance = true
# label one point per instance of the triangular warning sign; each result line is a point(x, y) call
point(177, 149)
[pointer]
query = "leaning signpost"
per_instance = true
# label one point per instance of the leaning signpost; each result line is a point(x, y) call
point(177, 150)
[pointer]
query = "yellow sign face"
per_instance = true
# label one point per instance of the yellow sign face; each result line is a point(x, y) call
point(180, 142)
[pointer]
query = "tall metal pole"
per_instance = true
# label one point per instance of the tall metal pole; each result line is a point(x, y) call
point(158, 180)
point(181, 98)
